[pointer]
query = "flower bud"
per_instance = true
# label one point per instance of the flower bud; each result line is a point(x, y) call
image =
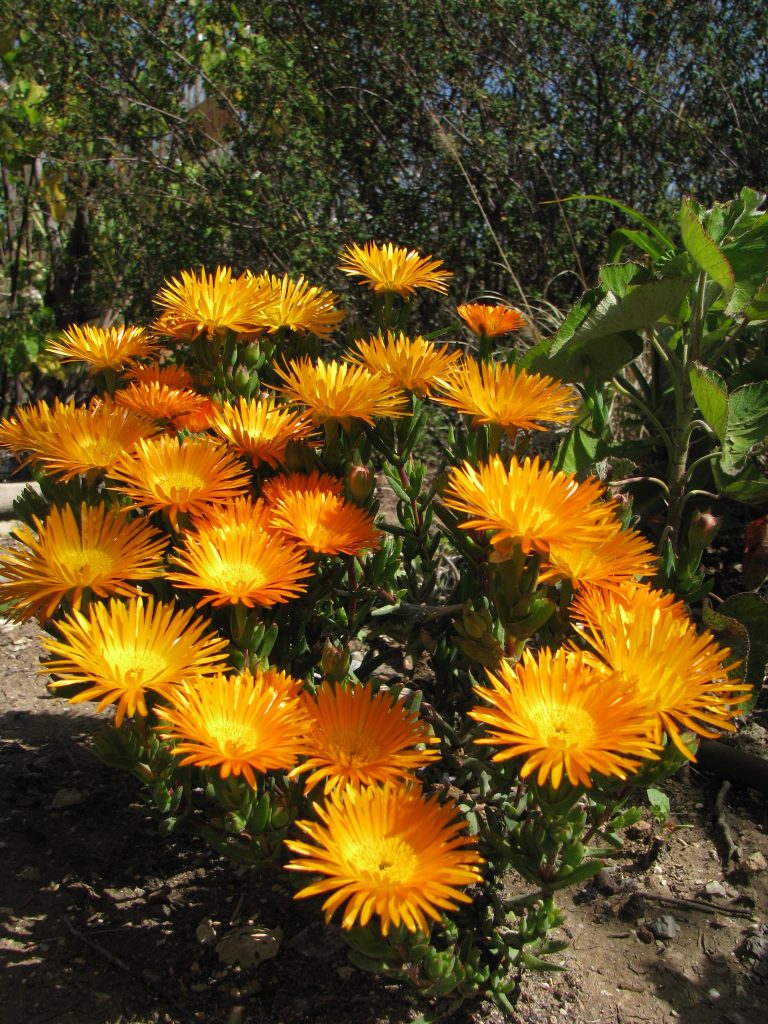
point(702, 529)
point(360, 483)
point(335, 662)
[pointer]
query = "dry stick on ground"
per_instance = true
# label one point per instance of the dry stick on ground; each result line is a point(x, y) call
point(734, 764)
point(729, 847)
point(157, 988)
point(700, 905)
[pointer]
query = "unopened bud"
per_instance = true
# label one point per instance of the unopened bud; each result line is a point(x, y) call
point(241, 377)
point(335, 662)
point(360, 483)
point(702, 530)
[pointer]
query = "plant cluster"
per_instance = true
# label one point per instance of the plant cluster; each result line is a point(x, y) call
point(407, 680)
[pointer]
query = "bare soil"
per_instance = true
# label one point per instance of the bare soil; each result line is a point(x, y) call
point(103, 921)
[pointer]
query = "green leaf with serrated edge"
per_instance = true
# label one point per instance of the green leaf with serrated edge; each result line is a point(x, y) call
point(704, 251)
point(751, 612)
point(644, 305)
point(749, 260)
point(747, 422)
point(749, 487)
point(596, 359)
point(711, 396)
point(617, 277)
point(728, 631)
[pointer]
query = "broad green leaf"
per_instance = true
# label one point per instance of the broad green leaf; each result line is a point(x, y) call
point(748, 257)
point(592, 359)
point(751, 612)
point(747, 422)
point(659, 804)
point(711, 396)
point(750, 486)
point(579, 452)
point(617, 277)
point(643, 306)
point(703, 250)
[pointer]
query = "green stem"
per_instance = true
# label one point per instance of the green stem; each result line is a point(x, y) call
point(618, 385)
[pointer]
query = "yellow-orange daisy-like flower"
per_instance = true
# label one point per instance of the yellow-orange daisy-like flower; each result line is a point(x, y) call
point(324, 522)
point(208, 304)
point(76, 441)
point(240, 566)
point(123, 651)
point(566, 717)
point(393, 268)
point(164, 474)
point(160, 402)
point(339, 391)
point(285, 484)
point(359, 737)
point(681, 676)
point(505, 395)
point(490, 321)
point(297, 305)
point(260, 428)
point(611, 563)
point(170, 376)
point(103, 348)
point(256, 515)
point(101, 551)
point(32, 427)
point(196, 420)
point(236, 724)
point(529, 505)
point(409, 363)
point(386, 851)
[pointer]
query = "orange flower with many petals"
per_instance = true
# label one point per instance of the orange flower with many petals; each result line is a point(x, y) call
point(160, 402)
point(409, 363)
point(208, 304)
point(610, 563)
point(236, 724)
point(360, 737)
point(297, 305)
point(101, 551)
point(260, 428)
point(566, 717)
point(124, 651)
point(340, 391)
point(103, 348)
point(391, 268)
point(388, 852)
point(169, 475)
point(325, 523)
point(491, 321)
point(506, 395)
point(240, 566)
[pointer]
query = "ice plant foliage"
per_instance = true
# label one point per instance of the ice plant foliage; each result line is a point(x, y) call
point(285, 585)
point(386, 851)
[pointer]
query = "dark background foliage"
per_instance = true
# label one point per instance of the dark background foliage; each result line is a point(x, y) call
point(140, 137)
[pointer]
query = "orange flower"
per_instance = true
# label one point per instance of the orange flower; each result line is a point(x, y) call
point(171, 376)
point(240, 566)
point(529, 505)
point(389, 268)
point(236, 724)
point(339, 391)
point(491, 321)
point(165, 474)
point(99, 553)
point(506, 395)
point(102, 348)
point(567, 716)
point(610, 563)
point(360, 737)
point(410, 363)
point(260, 428)
point(208, 304)
point(386, 851)
point(159, 401)
point(296, 305)
point(287, 484)
point(324, 522)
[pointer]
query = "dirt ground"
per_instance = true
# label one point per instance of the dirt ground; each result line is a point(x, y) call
point(102, 921)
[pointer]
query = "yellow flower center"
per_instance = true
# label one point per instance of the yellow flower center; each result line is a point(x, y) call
point(351, 748)
point(139, 668)
point(562, 726)
point(181, 483)
point(390, 859)
point(235, 577)
point(86, 564)
point(100, 451)
point(234, 738)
